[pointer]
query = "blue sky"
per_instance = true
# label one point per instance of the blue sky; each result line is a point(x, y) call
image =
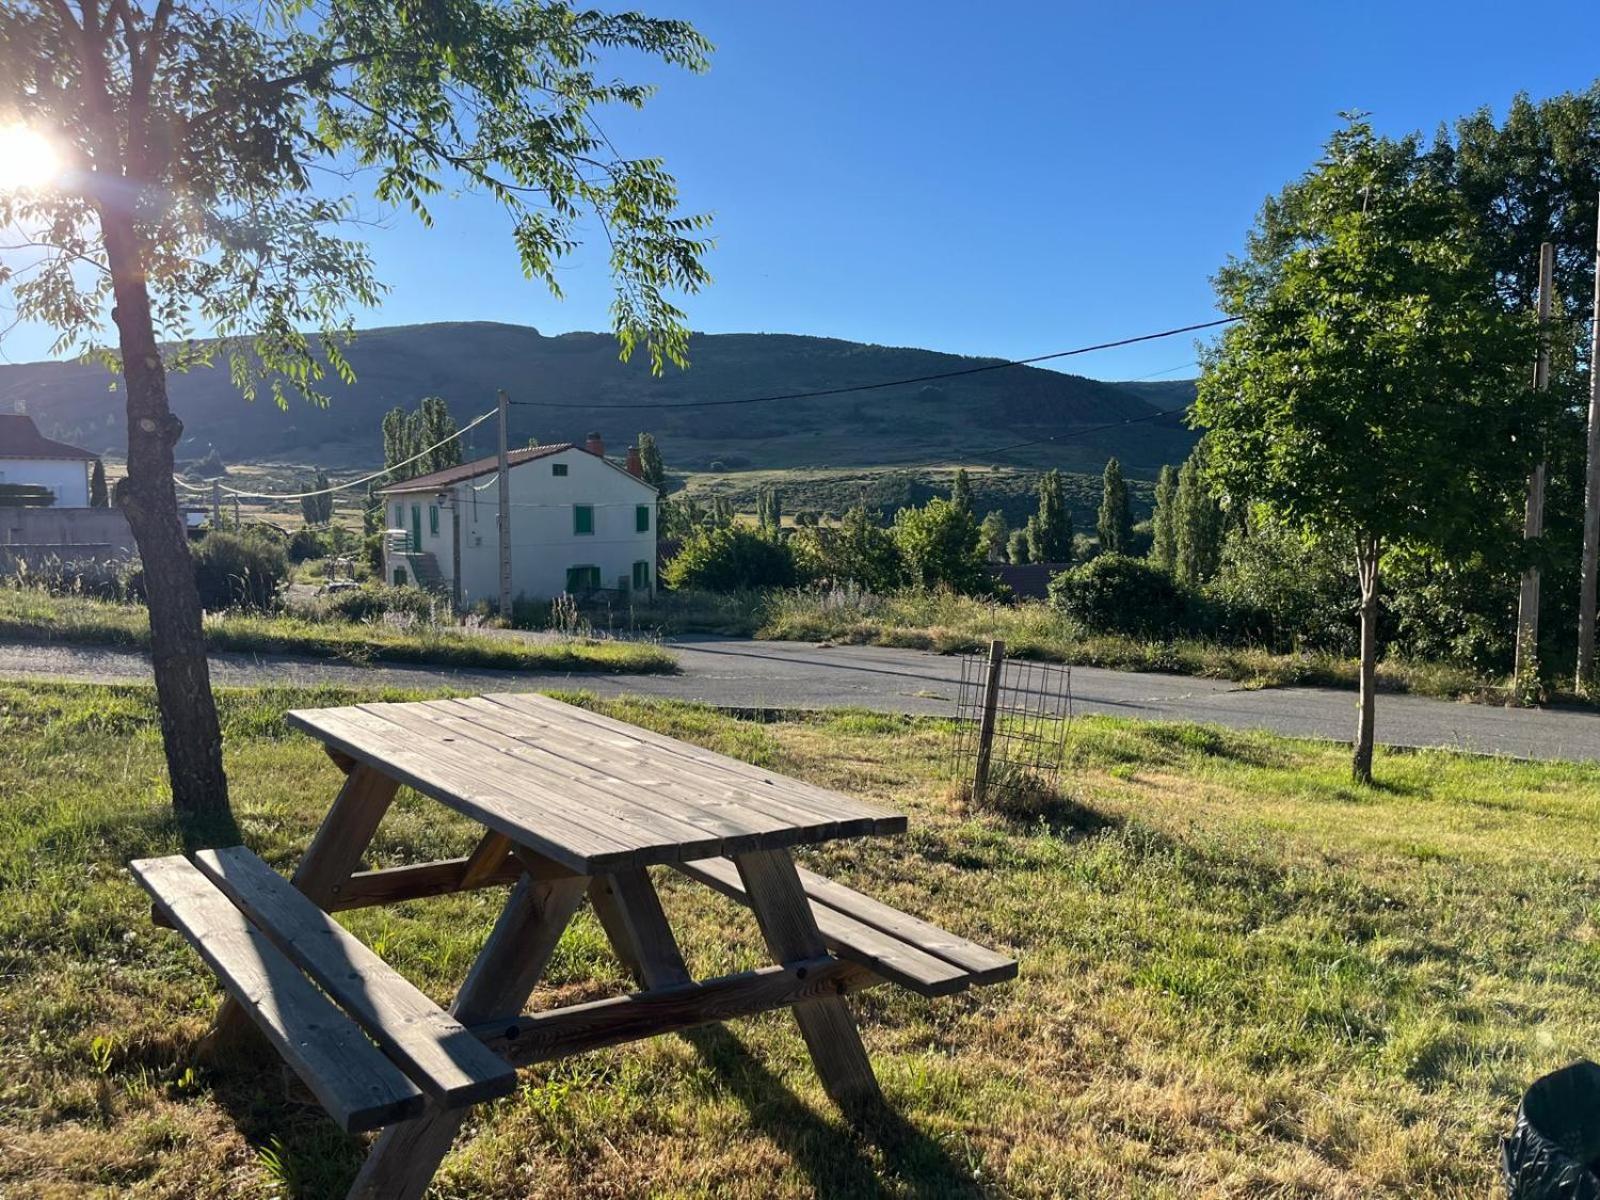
point(1003, 179)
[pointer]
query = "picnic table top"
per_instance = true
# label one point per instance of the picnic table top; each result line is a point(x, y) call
point(593, 793)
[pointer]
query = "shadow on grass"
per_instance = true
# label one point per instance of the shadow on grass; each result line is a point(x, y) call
point(836, 1159)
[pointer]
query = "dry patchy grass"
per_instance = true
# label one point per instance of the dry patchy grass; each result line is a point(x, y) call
point(1240, 976)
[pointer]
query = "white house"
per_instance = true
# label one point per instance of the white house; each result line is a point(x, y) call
point(29, 458)
point(580, 523)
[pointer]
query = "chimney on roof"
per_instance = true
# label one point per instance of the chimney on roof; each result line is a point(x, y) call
point(595, 445)
point(635, 464)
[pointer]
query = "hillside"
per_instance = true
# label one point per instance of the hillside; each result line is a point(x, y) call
point(964, 419)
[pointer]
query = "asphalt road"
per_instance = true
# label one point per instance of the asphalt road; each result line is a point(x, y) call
point(751, 674)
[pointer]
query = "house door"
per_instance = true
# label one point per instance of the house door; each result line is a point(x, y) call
point(416, 529)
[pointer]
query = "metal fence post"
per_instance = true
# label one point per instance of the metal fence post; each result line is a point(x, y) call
point(991, 697)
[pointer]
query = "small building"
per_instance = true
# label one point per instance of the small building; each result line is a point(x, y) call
point(580, 524)
point(30, 459)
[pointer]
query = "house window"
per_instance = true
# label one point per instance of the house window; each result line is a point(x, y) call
point(641, 576)
point(641, 518)
point(583, 518)
point(558, 468)
point(583, 579)
point(433, 520)
point(399, 516)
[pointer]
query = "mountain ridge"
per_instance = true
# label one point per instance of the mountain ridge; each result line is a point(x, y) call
point(945, 420)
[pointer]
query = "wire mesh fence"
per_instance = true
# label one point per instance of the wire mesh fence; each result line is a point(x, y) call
point(1011, 723)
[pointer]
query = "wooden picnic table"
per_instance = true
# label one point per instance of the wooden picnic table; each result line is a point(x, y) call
point(573, 804)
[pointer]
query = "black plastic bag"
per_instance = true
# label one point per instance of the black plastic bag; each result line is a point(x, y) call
point(1552, 1152)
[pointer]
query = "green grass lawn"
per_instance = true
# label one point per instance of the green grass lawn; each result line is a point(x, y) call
point(35, 614)
point(1240, 975)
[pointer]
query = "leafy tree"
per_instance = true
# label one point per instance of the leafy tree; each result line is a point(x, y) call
point(961, 491)
point(1197, 526)
point(654, 471)
point(769, 510)
point(1050, 529)
point(98, 496)
point(994, 534)
point(728, 558)
point(1164, 521)
point(1115, 524)
point(432, 426)
point(318, 509)
point(1372, 392)
point(1117, 594)
point(858, 550)
point(192, 134)
point(1017, 545)
point(939, 545)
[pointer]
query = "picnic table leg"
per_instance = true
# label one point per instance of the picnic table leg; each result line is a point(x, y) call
point(405, 1156)
point(784, 914)
point(630, 912)
point(334, 854)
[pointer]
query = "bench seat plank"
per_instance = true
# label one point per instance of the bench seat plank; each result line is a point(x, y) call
point(441, 1056)
point(350, 1077)
point(887, 954)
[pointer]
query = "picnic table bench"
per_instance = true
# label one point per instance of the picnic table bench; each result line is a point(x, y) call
point(573, 804)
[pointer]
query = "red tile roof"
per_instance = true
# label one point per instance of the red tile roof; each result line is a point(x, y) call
point(20, 438)
point(471, 470)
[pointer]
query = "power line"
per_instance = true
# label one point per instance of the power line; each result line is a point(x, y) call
point(341, 487)
point(888, 383)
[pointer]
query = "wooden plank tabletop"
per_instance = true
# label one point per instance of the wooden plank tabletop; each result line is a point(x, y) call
point(593, 793)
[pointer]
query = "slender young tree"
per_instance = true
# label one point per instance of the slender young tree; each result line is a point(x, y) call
point(1050, 529)
point(1372, 393)
point(1163, 523)
point(1197, 533)
point(194, 137)
point(995, 534)
point(961, 491)
point(98, 496)
point(654, 471)
point(1115, 524)
point(1017, 545)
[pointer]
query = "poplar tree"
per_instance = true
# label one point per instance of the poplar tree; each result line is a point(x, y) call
point(652, 470)
point(1115, 524)
point(1163, 522)
point(961, 491)
point(98, 496)
point(1050, 529)
point(1197, 526)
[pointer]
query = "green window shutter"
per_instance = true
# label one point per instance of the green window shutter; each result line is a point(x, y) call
point(433, 520)
point(583, 579)
point(583, 518)
point(641, 576)
point(558, 468)
point(641, 518)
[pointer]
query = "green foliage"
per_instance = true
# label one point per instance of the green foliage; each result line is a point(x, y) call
point(1117, 594)
point(1373, 389)
point(318, 509)
point(1017, 546)
point(961, 491)
point(1281, 589)
point(995, 535)
point(654, 471)
point(940, 548)
point(374, 603)
point(858, 550)
point(307, 544)
point(1115, 524)
point(1198, 524)
point(240, 570)
point(99, 497)
point(1460, 610)
point(1164, 521)
point(1050, 529)
point(727, 558)
point(406, 435)
point(769, 513)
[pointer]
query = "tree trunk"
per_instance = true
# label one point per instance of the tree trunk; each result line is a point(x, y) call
point(190, 731)
point(1367, 575)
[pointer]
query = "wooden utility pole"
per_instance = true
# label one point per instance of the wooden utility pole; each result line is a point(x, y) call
point(1533, 516)
point(502, 486)
point(991, 698)
point(1591, 499)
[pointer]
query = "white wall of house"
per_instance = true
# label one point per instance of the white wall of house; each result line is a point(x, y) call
point(67, 478)
point(546, 545)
